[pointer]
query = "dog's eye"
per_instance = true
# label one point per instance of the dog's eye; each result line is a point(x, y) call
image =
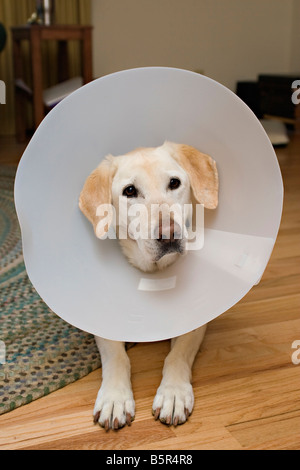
point(174, 183)
point(130, 191)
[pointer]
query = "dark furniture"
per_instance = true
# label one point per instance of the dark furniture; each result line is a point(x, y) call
point(276, 97)
point(35, 34)
point(270, 96)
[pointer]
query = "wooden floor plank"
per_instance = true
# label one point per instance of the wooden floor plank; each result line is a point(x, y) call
point(281, 431)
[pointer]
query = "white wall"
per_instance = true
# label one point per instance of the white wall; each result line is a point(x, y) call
point(295, 46)
point(229, 40)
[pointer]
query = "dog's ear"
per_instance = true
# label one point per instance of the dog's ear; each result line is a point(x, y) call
point(95, 197)
point(202, 171)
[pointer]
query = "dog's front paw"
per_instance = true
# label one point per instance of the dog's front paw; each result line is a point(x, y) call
point(173, 403)
point(114, 408)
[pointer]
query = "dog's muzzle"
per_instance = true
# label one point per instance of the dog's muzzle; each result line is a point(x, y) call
point(169, 239)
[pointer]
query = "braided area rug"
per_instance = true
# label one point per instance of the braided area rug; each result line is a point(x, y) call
point(39, 352)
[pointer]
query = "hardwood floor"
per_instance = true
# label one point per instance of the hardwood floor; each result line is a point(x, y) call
point(246, 385)
point(10, 150)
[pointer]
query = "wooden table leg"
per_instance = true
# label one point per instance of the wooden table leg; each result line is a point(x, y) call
point(86, 56)
point(20, 111)
point(37, 76)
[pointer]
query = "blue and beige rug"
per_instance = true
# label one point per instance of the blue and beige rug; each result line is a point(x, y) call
point(39, 352)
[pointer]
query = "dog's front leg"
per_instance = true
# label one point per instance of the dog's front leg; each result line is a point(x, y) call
point(114, 406)
point(174, 399)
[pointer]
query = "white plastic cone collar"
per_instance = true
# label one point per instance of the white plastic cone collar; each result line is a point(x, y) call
point(87, 281)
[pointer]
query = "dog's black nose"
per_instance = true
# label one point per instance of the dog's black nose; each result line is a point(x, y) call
point(169, 234)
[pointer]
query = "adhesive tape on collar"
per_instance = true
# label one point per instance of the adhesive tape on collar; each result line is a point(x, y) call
point(87, 281)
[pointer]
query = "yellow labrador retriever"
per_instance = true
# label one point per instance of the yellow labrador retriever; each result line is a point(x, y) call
point(171, 176)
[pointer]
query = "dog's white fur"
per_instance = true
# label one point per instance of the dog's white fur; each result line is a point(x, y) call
point(150, 171)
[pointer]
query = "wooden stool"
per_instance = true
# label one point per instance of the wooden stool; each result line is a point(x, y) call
point(35, 34)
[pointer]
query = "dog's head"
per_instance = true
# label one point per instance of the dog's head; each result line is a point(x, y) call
point(144, 192)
